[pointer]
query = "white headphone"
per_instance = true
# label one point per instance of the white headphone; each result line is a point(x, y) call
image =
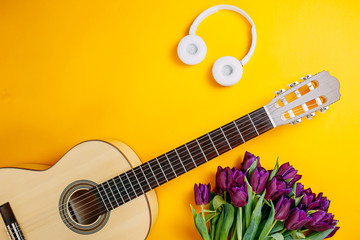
point(192, 49)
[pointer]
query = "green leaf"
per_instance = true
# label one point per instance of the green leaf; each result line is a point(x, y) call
point(218, 201)
point(248, 206)
point(212, 226)
point(201, 227)
point(251, 169)
point(210, 216)
point(319, 235)
point(278, 227)
point(298, 199)
point(276, 169)
point(193, 212)
point(293, 191)
point(219, 225)
point(239, 223)
point(255, 220)
point(277, 236)
point(269, 223)
point(298, 235)
point(228, 221)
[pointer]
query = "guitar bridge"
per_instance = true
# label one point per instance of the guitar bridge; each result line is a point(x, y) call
point(11, 226)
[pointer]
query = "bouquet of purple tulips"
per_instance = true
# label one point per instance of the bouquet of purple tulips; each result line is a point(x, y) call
point(253, 203)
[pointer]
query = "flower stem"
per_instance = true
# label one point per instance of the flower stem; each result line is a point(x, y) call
point(239, 224)
point(202, 211)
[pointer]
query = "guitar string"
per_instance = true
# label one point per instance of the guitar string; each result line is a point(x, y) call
point(184, 150)
point(142, 180)
point(90, 216)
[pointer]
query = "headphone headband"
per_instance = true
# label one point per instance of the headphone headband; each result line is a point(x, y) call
point(215, 9)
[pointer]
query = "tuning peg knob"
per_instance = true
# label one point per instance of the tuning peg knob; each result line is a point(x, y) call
point(296, 122)
point(309, 116)
point(306, 77)
point(293, 84)
point(280, 91)
point(322, 110)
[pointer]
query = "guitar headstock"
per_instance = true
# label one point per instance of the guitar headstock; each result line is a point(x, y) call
point(314, 93)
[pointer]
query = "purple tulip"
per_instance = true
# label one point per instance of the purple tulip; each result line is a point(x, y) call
point(239, 195)
point(224, 178)
point(282, 209)
point(202, 193)
point(322, 202)
point(286, 171)
point(314, 203)
point(333, 232)
point(308, 197)
point(276, 188)
point(238, 177)
point(321, 221)
point(296, 219)
point(258, 179)
point(299, 189)
point(248, 161)
point(294, 180)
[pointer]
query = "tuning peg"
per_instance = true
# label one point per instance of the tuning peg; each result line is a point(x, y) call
point(296, 122)
point(293, 84)
point(309, 116)
point(322, 110)
point(280, 91)
point(306, 77)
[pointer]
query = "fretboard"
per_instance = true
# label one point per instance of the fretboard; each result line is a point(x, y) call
point(180, 160)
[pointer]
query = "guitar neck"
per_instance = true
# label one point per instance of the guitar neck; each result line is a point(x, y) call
point(180, 160)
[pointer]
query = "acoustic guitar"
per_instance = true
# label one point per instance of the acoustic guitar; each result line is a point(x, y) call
point(101, 190)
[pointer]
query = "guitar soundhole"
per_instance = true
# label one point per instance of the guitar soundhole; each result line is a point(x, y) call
point(80, 209)
point(83, 207)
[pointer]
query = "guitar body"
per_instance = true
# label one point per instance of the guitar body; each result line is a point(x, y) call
point(34, 196)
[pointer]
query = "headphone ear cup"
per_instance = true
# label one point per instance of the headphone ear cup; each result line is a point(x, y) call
point(191, 49)
point(227, 70)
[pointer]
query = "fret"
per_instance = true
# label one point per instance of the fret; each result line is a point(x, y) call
point(219, 141)
point(246, 128)
point(196, 152)
point(167, 168)
point(261, 121)
point(146, 179)
point(213, 144)
point(238, 131)
point(253, 124)
point(180, 160)
point(190, 155)
point(234, 139)
point(225, 137)
point(142, 190)
point(122, 184)
point(107, 196)
point(176, 162)
point(112, 192)
point(102, 198)
point(130, 182)
point(207, 147)
point(115, 184)
point(127, 185)
point(170, 164)
point(159, 175)
point(201, 150)
point(141, 179)
point(185, 157)
point(161, 169)
point(153, 174)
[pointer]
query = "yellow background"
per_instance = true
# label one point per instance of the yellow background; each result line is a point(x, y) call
point(77, 70)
